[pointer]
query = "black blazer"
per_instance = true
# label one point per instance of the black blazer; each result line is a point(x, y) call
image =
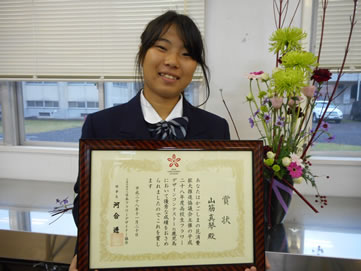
point(126, 121)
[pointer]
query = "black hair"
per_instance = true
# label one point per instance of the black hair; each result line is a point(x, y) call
point(190, 36)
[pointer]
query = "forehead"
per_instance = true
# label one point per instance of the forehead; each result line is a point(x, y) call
point(172, 32)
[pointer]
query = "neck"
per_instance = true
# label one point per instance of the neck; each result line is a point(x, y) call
point(163, 106)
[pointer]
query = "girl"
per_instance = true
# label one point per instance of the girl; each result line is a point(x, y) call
point(170, 51)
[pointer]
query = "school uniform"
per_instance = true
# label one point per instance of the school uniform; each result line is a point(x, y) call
point(127, 121)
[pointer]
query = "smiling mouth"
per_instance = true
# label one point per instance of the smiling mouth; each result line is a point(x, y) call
point(168, 76)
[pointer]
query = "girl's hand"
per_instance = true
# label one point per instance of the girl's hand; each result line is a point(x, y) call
point(268, 266)
point(72, 266)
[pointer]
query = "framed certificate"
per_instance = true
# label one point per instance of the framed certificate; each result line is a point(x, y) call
point(164, 205)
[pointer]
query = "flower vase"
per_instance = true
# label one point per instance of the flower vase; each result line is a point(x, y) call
point(276, 239)
point(277, 198)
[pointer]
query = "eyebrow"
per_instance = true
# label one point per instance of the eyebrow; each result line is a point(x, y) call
point(165, 40)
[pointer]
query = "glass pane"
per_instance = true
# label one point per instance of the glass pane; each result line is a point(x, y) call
point(121, 92)
point(55, 111)
point(4, 220)
point(343, 117)
point(62, 224)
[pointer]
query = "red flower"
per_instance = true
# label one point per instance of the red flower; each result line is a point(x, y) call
point(265, 150)
point(321, 75)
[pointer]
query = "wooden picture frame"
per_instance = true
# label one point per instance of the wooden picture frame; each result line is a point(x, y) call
point(180, 205)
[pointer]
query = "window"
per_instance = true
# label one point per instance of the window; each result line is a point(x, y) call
point(76, 104)
point(4, 219)
point(56, 111)
point(85, 53)
point(343, 117)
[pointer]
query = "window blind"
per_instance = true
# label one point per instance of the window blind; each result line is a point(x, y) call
point(337, 25)
point(64, 39)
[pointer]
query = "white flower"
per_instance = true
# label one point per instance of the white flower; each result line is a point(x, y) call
point(271, 155)
point(265, 76)
point(295, 158)
point(298, 180)
point(286, 161)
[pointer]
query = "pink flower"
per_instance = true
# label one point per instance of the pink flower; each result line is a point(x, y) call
point(294, 100)
point(309, 91)
point(277, 102)
point(295, 170)
point(254, 75)
point(257, 73)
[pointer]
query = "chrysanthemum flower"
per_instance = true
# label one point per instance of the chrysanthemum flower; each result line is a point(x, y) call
point(288, 82)
point(286, 39)
point(299, 60)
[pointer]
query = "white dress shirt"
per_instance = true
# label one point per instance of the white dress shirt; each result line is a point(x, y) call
point(151, 116)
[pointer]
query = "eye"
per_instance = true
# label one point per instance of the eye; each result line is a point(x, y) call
point(160, 47)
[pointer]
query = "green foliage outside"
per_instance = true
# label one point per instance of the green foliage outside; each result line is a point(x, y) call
point(335, 147)
point(40, 126)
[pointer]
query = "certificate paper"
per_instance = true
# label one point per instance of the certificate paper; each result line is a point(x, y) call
point(153, 208)
point(173, 207)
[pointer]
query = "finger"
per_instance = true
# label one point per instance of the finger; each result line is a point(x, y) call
point(72, 266)
point(268, 266)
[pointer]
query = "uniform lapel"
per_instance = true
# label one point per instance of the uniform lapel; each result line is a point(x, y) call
point(133, 124)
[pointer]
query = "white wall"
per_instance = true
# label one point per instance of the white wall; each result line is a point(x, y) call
point(237, 35)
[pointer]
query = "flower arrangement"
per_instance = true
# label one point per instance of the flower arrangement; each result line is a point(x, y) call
point(281, 105)
point(62, 206)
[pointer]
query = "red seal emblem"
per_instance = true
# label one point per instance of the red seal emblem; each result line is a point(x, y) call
point(173, 161)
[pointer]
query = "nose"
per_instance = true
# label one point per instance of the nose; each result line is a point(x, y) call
point(171, 60)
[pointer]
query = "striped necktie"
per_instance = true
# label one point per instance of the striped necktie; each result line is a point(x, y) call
point(173, 129)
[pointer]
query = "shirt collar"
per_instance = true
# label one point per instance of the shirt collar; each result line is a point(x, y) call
point(151, 116)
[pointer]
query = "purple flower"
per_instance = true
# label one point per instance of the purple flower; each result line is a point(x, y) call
point(65, 201)
point(267, 118)
point(330, 138)
point(256, 113)
point(251, 122)
point(324, 126)
point(280, 122)
point(265, 101)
